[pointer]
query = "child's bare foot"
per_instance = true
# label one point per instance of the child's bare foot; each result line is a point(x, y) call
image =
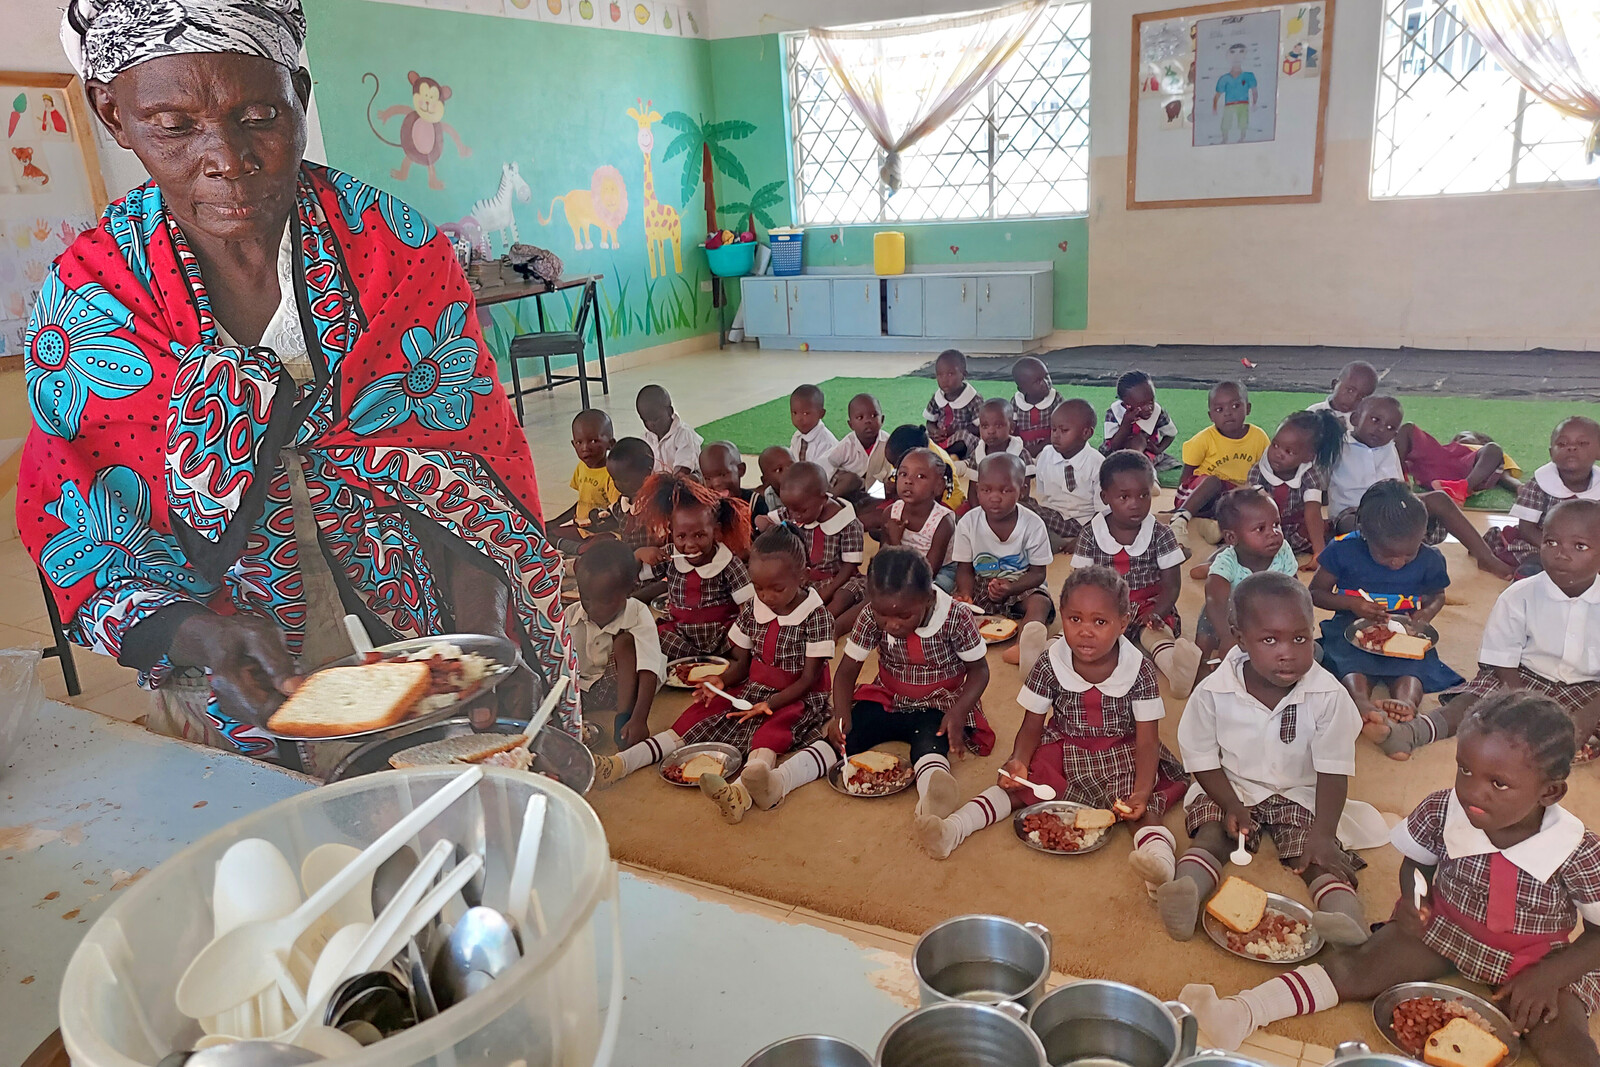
point(1376, 730)
point(1012, 654)
point(1398, 710)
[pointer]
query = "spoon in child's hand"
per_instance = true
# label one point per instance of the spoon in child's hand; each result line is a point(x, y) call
point(739, 703)
point(1043, 792)
point(1241, 856)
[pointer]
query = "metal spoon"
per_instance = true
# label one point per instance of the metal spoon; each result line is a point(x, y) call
point(1241, 855)
point(738, 702)
point(390, 876)
point(483, 942)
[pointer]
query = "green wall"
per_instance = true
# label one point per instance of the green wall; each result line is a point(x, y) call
point(747, 84)
point(554, 100)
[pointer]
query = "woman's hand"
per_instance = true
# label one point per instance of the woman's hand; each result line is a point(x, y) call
point(251, 669)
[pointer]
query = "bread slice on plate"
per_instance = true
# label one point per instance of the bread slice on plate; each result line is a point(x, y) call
point(349, 700)
point(1094, 819)
point(1460, 1044)
point(468, 748)
point(873, 762)
point(702, 764)
point(998, 630)
point(1238, 905)
point(702, 672)
point(1407, 646)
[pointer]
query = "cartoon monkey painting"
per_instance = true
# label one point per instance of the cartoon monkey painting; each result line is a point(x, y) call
point(423, 129)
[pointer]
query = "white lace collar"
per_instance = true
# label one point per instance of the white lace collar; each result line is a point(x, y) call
point(1022, 405)
point(1129, 659)
point(1013, 448)
point(1111, 546)
point(967, 395)
point(838, 522)
point(1559, 835)
point(811, 602)
point(941, 612)
point(719, 560)
point(1272, 479)
point(1549, 480)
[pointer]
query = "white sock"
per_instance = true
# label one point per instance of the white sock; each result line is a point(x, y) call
point(1154, 855)
point(1030, 646)
point(650, 750)
point(807, 765)
point(1226, 1022)
point(936, 786)
point(985, 809)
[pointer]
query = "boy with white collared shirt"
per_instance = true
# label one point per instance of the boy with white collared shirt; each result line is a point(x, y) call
point(1066, 487)
point(812, 441)
point(676, 446)
point(620, 663)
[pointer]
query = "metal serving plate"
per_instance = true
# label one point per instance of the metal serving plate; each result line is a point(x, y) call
point(1416, 629)
point(560, 755)
point(836, 779)
point(1292, 908)
point(672, 678)
point(501, 653)
point(1391, 998)
point(1055, 807)
point(732, 761)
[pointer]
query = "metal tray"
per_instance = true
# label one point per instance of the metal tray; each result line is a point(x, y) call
point(732, 761)
point(1385, 1003)
point(836, 779)
point(1055, 807)
point(1416, 629)
point(1292, 908)
point(502, 653)
point(672, 681)
point(555, 753)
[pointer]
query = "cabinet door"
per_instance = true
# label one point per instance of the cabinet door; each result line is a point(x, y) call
point(856, 308)
point(766, 309)
point(809, 311)
point(1005, 306)
point(905, 306)
point(949, 306)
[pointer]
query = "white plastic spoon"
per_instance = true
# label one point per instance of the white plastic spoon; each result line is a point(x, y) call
point(740, 703)
point(243, 962)
point(357, 633)
point(1241, 855)
point(527, 854)
point(1419, 889)
point(546, 709)
point(1043, 792)
point(427, 908)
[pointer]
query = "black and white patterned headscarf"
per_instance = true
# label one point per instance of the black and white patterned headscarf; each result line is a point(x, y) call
point(103, 38)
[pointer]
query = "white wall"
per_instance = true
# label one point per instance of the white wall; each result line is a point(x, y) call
point(1511, 270)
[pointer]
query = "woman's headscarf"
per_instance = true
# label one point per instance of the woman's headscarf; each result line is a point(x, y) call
point(103, 38)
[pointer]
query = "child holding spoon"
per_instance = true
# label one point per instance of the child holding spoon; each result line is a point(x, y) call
point(706, 577)
point(1091, 732)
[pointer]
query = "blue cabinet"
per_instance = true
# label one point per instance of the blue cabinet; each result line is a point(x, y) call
point(766, 307)
point(949, 306)
point(810, 306)
point(904, 307)
point(1005, 306)
point(857, 311)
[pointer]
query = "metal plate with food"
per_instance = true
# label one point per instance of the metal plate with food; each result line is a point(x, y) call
point(1056, 824)
point(658, 606)
point(685, 766)
point(408, 683)
point(1425, 1007)
point(873, 776)
point(689, 672)
point(1411, 641)
point(1284, 936)
point(556, 754)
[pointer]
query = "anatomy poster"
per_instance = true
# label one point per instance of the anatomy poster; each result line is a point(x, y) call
point(1236, 78)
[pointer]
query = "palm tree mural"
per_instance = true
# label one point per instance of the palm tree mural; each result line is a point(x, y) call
point(701, 145)
point(768, 196)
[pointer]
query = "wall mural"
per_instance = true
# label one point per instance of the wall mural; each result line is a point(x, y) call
point(495, 215)
point(423, 129)
point(603, 205)
point(662, 226)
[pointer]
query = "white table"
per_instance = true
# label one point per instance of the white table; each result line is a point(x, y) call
point(88, 802)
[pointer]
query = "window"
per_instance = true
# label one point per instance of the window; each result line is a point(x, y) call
point(1451, 120)
point(1018, 149)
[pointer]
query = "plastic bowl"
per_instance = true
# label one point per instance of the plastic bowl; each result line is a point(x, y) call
point(116, 1003)
point(732, 260)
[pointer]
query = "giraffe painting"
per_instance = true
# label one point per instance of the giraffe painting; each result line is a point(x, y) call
point(662, 227)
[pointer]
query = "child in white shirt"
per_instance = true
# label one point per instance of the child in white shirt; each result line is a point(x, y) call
point(676, 446)
point(620, 664)
point(812, 440)
point(1001, 551)
point(994, 438)
point(1066, 488)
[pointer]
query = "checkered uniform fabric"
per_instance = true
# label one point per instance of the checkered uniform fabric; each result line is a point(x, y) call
point(680, 639)
point(1570, 697)
point(1288, 823)
point(949, 425)
point(825, 551)
point(1541, 907)
point(1057, 523)
point(1291, 501)
point(923, 660)
point(1506, 542)
point(1033, 426)
point(634, 533)
point(1141, 572)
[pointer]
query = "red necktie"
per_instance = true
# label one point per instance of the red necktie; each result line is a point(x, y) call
point(947, 418)
point(1280, 495)
point(769, 644)
point(1122, 562)
point(691, 589)
point(1502, 917)
point(914, 653)
point(816, 544)
point(1094, 712)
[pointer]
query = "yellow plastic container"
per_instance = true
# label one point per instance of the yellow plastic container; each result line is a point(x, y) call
point(889, 252)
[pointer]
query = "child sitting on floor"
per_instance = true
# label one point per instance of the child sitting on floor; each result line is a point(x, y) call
point(592, 440)
point(722, 469)
point(705, 575)
point(1456, 469)
point(1357, 380)
point(812, 440)
point(1383, 569)
point(931, 674)
point(1001, 551)
point(620, 664)
point(859, 462)
point(1127, 538)
point(835, 542)
point(1091, 732)
point(994, 438)
point(1270, 740)
point(952, 415)
point(1253, 542)
point(774, 462)
point(917, 520)
point(1570, 474)
point(629, 465)
point(1135, 420)
point(1067, 476)
point(1217, 459)
point(910, 436)
point(676, 446)
point(1537, 638)
point(1033, 403)
point(1509, 873)
point(1294, 472)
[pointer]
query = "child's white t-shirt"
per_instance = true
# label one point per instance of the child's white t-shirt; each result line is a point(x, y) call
point(975, 543)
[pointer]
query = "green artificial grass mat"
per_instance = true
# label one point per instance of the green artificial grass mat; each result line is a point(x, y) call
point(1522, 427)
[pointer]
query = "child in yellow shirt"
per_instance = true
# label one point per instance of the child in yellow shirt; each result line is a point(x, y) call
point(592, 439)
point(1217, 459)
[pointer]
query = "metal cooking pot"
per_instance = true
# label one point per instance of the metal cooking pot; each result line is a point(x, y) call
point(1108, 1024)
point(961, 1034)
point(810, 1050)
point(557, 754)
point(1357, 1054)
point(1215, 1058)
point(985, 959)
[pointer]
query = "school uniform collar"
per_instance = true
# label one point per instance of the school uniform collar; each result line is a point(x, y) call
point(1230, 679)
point(941, 612)
point(1543, 583)
point(1111, 546)
point(677, 425)
point(1549, 480)
point(1148, 425)
point(819, 428)
point(967, 395)
point(719, 561)
point(799, 615)
point(622, 622)
point(1271, 478)
point(1022, 405)
point(1558, 837)
point(1013, 448)
point(1129, 659)
point(838, 522)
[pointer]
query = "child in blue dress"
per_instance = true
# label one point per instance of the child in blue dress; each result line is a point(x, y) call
point(1385, 559)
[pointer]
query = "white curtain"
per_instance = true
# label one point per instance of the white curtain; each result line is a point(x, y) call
point(905, 81)
point(1551, 46)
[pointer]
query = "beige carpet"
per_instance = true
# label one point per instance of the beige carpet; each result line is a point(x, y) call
point(856, 859)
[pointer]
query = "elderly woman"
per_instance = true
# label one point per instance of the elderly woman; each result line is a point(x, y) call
point(261, 396)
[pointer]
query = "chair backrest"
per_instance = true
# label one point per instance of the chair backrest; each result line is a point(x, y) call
point(585, 299)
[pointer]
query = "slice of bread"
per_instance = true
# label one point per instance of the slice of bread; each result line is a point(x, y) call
point(1407, 646)
point(1238, 905)
point(998, 629)
point(874, 762)
point(348, 700)
point(468, 748)
point(703, 763)
point(703, 672)
point(1460, 1044)
point(1095, 819)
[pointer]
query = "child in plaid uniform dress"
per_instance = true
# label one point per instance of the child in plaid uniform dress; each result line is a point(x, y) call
point(834, 540)
point(952, 413)
point(705, 579)
point(1143, 562)
point(1294, 472)
point(1035, 401)
point(1570, 474)
point(702, 602)
point(1509, 874)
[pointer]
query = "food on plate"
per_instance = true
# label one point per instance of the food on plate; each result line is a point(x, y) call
point(998, 630)
point(1387, 642)
point(1122, 807)
point(1050, 831)
point(348, 700)
point(1238, 905)
point(1462, 1043)
point(491, 750)
point(690, 771)
point(454, 675)
point(1417, 1020)
point(695, 673)
point(1095, 819)
point(873, 773)
point(1277, 938)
